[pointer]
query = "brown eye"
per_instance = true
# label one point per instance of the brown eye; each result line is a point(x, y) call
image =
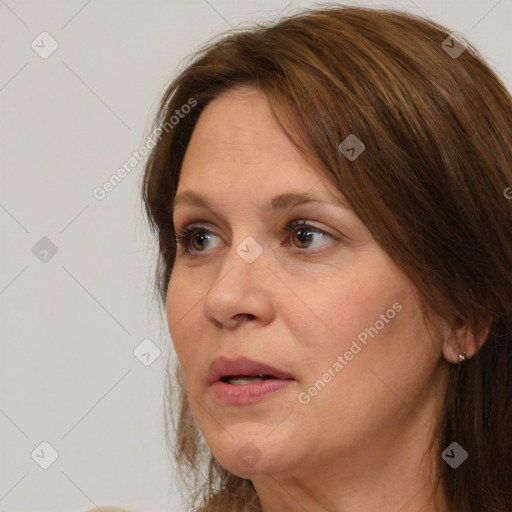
point(193, 239)
point(199, 239)
point(302, 237)
point(303, 234)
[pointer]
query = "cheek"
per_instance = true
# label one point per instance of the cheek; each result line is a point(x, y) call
point(367, 314)
point(381, 339)
point(346, 302)
point(183, 305)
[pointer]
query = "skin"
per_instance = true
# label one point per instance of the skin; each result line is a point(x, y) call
point(361, 443)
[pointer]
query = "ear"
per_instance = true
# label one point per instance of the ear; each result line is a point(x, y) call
point(464, 340)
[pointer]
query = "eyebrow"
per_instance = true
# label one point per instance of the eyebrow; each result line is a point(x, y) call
point(278, 202)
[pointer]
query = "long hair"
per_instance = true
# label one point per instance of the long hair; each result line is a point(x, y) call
point(432, 186)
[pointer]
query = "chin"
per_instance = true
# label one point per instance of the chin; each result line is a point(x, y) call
point(250, 465)
point(249, 451)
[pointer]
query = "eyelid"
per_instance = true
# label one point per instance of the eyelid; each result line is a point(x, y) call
point(185, 233)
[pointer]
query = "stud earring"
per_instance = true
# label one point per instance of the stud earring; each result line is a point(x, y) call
point(461, 357)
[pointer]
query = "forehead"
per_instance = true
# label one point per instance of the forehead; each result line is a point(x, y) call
point(238, 123)
point(238, 148)
point(237, 137)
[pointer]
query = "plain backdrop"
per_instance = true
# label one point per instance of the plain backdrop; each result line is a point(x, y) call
point(82, 341)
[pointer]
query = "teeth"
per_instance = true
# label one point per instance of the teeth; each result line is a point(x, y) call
point(242, 380)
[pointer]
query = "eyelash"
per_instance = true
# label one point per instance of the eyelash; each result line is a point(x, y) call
point(184, 236)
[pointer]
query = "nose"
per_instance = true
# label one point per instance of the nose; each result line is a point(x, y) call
point(243, 290)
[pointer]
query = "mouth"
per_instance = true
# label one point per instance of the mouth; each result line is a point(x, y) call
point(243, 369)
point(243, 381)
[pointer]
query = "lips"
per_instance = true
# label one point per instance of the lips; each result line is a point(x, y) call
point(241, 381)
point(223, 369)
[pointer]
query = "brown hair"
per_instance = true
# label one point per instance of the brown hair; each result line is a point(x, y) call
point(429, 186)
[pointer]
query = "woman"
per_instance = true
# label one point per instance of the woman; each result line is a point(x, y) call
point(369, 369)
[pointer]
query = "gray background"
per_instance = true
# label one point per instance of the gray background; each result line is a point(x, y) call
point(70, 323)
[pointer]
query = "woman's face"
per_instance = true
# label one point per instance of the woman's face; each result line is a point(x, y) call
point(322, 308)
